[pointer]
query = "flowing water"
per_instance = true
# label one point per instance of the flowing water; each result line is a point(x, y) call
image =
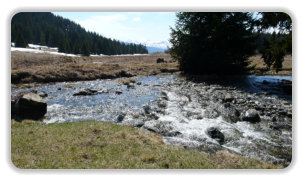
point(179, 110)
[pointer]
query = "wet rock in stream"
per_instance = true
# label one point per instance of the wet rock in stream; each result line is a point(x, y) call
point(120, 117)
point(164, 128)
point(216, 134)
point(87, 92)
point(252, 116)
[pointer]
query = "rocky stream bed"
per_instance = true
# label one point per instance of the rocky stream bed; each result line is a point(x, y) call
point(250, 115)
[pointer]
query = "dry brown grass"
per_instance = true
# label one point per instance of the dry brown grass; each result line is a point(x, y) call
point(260, 65)
point(34, 67)
point(23, 60)
point(126, 81)
point(31, 67)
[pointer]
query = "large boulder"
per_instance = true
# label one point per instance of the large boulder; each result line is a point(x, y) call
point(216, 134)
point(28, 106)
point(252, 116)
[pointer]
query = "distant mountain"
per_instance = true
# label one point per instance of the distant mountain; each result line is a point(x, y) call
point(160, 44)
point(45, 28)
point(153, 47)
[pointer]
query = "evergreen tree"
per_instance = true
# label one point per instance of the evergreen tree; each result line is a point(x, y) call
point(207, 43)
point(42, 38)
point(85, 49)
point(273, 54)
point(76, 48)
point(20, 41)
point(64, 46)
point(278, 45)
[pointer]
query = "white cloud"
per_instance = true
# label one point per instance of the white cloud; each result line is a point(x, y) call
point(136, 19)
point(106, 25)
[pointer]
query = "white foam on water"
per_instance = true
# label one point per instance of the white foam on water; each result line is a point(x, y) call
point(54, 107)
point(249, 131)
point(241, 137)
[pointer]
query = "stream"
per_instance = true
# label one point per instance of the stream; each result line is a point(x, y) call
point(183, 111)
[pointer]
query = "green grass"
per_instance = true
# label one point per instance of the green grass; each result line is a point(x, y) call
point(101, 145)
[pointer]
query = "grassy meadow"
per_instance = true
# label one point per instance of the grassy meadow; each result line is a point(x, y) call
point(103, 145)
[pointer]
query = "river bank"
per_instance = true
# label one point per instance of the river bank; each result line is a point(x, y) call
point(100, 145)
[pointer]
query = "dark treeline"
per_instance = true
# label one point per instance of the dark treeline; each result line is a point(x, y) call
point(44, 28)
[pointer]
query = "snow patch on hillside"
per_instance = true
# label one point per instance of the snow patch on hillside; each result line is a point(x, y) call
point(33, 48)
point(41, 51)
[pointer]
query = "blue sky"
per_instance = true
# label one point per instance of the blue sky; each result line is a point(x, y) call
point(126, 26)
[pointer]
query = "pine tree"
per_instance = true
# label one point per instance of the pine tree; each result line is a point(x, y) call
point(207, 43)
point(85, 49)
point(20, 41)
point(42, 38)
point(279, 44)
point(273, 53)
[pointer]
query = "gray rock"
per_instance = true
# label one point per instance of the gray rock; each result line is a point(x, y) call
point(211, 113)
point(283, 113)
point(42, 94)
point(147, 109)
point(131, 86)
point(34, 91)
point(228, 98)
point(87, 92)
point(118, 92)
point(252, 116)
point(164, 128)
point(139, 122)
point(120, 117)
point(29, 106)
point(216, 134)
